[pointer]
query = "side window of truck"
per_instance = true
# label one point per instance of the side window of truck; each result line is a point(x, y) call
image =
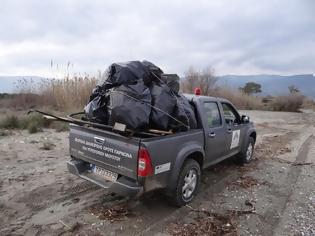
point(213, 114)
point(230, 115)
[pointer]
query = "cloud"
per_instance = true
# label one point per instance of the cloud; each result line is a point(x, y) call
point(234, 37)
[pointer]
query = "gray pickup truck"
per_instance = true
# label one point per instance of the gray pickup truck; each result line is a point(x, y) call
point(132, 165)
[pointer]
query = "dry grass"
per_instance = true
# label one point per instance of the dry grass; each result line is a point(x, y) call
point(68, 94)
point(72, 94)
point(308, 104)
point(291, 102)
point(239, 99)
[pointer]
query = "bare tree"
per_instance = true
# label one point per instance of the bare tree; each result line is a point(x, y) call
point(190, 80)
point(207, 80)
point(203, 79)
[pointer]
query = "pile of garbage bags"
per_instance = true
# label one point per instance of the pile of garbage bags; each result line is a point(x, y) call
point(139, 95)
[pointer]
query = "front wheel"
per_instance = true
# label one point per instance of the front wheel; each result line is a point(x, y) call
point(246, 155)
point(187, 183)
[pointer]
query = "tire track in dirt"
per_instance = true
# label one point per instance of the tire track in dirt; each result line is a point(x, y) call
point(42, 202)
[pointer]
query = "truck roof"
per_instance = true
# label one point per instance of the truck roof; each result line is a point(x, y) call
point(192, 97)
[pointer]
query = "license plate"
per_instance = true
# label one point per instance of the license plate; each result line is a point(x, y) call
point(106, 174)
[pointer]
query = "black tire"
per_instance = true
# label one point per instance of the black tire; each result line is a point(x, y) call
point(178, 197)
point(246, 155)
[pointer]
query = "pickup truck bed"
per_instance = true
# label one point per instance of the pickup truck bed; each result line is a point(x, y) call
point(119, 154)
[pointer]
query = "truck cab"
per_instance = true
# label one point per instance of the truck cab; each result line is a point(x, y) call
point(225, 130)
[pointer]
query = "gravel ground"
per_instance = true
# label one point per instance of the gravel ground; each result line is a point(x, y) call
point(273, 195)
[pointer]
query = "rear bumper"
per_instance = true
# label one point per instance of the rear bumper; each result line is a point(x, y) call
point(122, 186)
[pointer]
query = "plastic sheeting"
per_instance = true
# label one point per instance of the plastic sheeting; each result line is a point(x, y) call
point(127, 73)
point(162, 99)
point(172, 81)
point(183, 112)
point(130, 105)
point(96, 110)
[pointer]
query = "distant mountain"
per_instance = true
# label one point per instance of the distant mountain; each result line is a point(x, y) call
point(8, 84)
point(272, 84)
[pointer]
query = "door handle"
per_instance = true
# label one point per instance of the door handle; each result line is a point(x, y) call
point(229, 130)
point(211, 135)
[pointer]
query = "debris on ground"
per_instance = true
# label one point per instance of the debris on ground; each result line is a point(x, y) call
point(274, 145)
point(206, 223)
point(48, 146)
point(284, 150)
point(237, 212)
point(71, 228)
point(114, 213)
point(221, 167)
point(246, 182)
point(302, 163)
point(211, 223)
point(6, 132)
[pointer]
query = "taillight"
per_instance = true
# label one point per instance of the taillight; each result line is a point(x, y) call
point(144, 163)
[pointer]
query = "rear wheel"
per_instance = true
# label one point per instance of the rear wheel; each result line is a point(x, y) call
point(246, 155)
point(187, 183)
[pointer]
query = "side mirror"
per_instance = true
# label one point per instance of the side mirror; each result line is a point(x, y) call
point(245, 119)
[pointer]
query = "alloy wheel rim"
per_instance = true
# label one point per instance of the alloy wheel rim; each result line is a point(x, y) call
point(190, 182)
point(249, 152)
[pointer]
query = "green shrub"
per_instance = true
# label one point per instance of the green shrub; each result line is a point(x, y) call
point(33, 128)
point(33, 123)
point(23, 122)
point(39, 120)
point(10, 122)
point(34, 120)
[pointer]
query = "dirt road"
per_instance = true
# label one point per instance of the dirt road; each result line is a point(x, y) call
point(274, 195)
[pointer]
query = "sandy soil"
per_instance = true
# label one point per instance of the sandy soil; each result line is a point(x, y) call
point(274, 195)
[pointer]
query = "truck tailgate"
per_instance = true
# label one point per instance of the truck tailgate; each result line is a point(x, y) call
point(105, 149)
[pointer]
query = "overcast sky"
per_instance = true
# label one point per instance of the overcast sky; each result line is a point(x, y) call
point(234, 37)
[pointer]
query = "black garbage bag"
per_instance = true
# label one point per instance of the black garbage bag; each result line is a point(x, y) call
point(97, 91)
point(172, 81)
point(126, 73)
point(155, 71)
point(132, 78)
point(183, 112)
point(164, 101)
point(130, 105)
point(96, 110)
